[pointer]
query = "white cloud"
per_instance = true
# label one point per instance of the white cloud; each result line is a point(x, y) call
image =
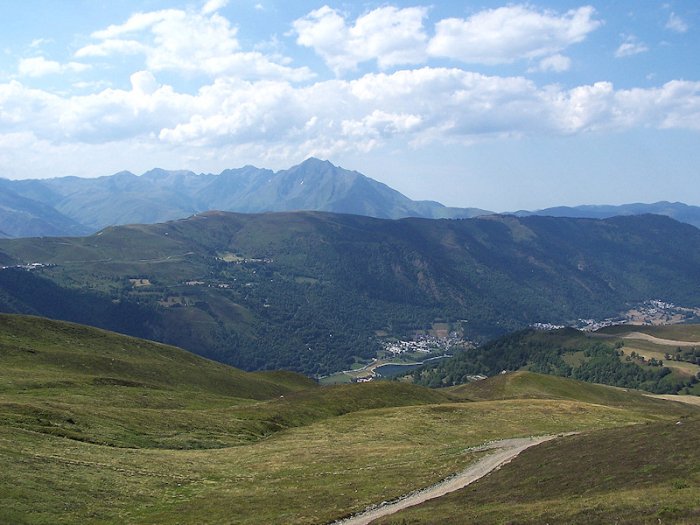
point(555, 63)
point(631, 46)
point(213, 5)
point(39, 42)
point(112, 47)
point(676, 23)
point(389, 35)
point(276, 118)
point(188, 42)
point(144, 82)
point(507, 34)
point(40, 66)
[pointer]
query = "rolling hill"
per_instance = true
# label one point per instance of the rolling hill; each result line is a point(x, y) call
point(310, 291)
point(96, 427)
point(76, 206)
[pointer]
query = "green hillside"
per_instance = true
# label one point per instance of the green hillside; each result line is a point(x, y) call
point(76, 356)
point(96, 386)
point(614, 356)
point(647, 474)
point(310, 291)
point(529, 385)
point(100, 428)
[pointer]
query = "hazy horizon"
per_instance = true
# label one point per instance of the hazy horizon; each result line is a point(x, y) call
point(502, 106)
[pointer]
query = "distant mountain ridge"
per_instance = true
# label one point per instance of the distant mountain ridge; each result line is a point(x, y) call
point(676, 210)
point(22, 216)
point(77, 206)
point(69, 206)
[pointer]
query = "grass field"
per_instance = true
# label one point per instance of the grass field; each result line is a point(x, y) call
point(100, 428)
point(677, 332)
point(647, 474)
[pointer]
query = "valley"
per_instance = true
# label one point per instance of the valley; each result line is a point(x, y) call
point(126, 430)
point(349, 263)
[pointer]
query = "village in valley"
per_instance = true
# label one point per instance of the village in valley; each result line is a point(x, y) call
point(402, 355)
point(650, 313)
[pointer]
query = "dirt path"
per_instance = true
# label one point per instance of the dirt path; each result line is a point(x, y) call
point(690, 400)
point(657, 340)
point(506, 450)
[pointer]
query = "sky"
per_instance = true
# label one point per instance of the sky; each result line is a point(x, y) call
point(490, 104)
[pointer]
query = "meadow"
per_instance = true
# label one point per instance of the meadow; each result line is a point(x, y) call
point(101, 428)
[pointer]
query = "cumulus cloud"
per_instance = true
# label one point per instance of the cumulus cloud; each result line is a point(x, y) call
point(631, 46)
point(389, 35)
point(40, 66)
point(676, 23)
point(188, 42)
point(507, 34)
point(394, 36)
point(268, 118)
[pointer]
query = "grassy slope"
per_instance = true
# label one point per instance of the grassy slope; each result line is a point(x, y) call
point(100, 387)
point(685, 332)
point(528, 385)
point(76, 355)
point(308, 457)
point(646, 474)
point(637, 474)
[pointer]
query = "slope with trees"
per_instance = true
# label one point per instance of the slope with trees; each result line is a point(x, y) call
point(309, 291)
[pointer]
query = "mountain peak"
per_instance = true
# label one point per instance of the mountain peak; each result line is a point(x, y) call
point(313, 161)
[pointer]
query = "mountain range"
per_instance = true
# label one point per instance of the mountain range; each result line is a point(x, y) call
point(676, 210)
point(78, 206)
point(311, 291)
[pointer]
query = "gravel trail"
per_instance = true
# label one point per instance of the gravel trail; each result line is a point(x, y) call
point(506, 450)
point(658, 340)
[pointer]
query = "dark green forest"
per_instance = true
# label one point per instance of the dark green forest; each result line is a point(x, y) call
point(310, 291)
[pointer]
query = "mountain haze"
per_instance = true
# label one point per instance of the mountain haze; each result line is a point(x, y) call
point(76, 206)
point(676, 210)
point(23, 216)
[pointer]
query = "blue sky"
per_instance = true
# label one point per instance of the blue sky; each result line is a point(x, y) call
point(497, 105)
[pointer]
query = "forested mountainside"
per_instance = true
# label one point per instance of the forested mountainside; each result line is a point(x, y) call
point(313, 291)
